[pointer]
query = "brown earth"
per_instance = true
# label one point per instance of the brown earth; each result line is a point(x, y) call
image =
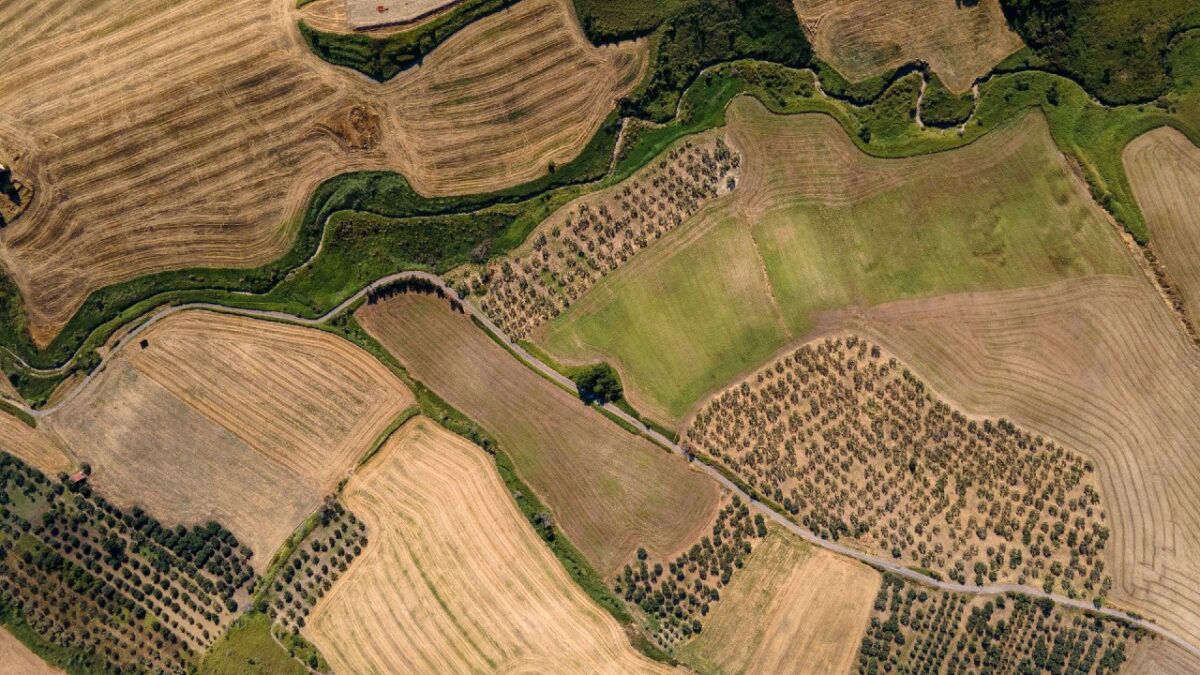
point(861, 38)
point(215, 117)
point(453, 578)
point(1164, 170)
point(609, 490)
point(1098, 365)
point(245, 422)
point(792, 609)
point(1159, 657)
point(16, 659)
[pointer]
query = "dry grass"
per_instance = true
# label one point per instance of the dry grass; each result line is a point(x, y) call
point(454, 579)
point(244, 422)
point(609, 490)
point(1100, 366)
point(35, 447)
point(1164, 170)
point(862, 38)
point(1159, 657)
point(792, 609)
point(370, 13)
point(215, 116)
point(16, 659)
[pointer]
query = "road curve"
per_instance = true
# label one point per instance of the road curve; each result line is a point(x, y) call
point(885, 564)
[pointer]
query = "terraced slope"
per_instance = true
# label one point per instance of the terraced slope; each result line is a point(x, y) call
point(1164, 170)
point(246, 422)
point(792, 609)
point(959, 40)
point(453, 578)
point(219, 121)
point(814, 224)
point(1098, 365)
point(609, 490)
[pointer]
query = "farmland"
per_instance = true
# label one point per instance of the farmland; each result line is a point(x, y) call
point(219, 120)
point(960, 41)
point(781, 613)
point(370, 13)
point(1164, 169)
point(793, 238)
point(609, 490)
point(17, 658)
point(453, 578)
point(246, 422)
point(1100, 366)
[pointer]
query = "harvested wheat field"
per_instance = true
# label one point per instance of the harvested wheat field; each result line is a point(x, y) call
point(609, 490)
point(454, 579)
point(1159, 657)
point(371, 13)
point(219, 121)
point(246, 422)
point(16, 659)
point(793, 608)
point(33, 446)
point(1164, 170)
point(861, 38)
point(1098, 365)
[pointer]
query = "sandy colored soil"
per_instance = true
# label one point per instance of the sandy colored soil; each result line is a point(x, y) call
point(220, 122)
point(246, 422)
point(862, 38)
point(34, 446)
point(1159, 657)
point(368, 13)
point(791, 609)
point(1164, 170)
point(1100, 366)
point(454, 579)
point(609, 490)
point(16, 659)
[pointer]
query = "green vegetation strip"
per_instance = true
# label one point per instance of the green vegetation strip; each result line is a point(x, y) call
point(248, 647)
point(404, 416)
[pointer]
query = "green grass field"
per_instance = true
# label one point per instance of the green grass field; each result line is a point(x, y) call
point(247, 647)
point(836, 229)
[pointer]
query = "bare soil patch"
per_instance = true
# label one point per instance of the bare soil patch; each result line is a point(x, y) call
point(609, 490)
point(1100, 366)
point(245, 422)
point(371, 13)
point(214, 116)
point(453, 578)
point(860, 38)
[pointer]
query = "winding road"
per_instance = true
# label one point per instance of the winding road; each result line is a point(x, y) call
point(884, 564)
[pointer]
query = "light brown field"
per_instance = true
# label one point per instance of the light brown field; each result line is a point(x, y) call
point(1159, 657)
point(454, 579)
point(862, 38)
point(609, 490)
point(34, 447)
point(1100, 366)
point(16, 659)
point(245, 422)
point(216, 118)
point(369, 13)
point(1164, 170)
point(792, 609)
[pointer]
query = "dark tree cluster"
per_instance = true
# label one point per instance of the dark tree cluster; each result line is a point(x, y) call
point(119, 590)
point(309, 572)
point(854, 446)
point(678, 596)
point(415, 285)
point(570, 254)
point(923, 631)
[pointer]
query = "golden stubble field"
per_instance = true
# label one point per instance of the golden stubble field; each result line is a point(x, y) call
point(246, 422)
point(160, 135)
point(1164, 170)
point(16, 659)
point(609, 490)
point(1098, 365)
point(793, 608)
point(454, 579)
point(861, 38)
